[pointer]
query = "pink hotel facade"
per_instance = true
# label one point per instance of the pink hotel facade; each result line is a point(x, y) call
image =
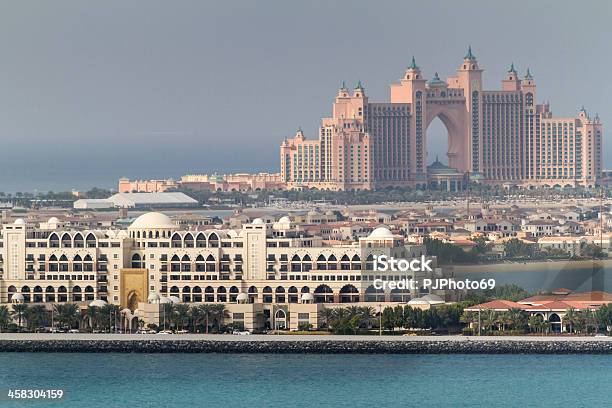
point(497, 137)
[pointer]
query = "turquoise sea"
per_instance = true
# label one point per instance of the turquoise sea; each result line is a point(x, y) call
point(277, 380)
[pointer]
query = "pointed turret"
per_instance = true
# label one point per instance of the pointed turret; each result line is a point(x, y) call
point(413, 65)
point(470, 56)
point(359, 90)
point(511, 83)
point(343, 91)
point(528, 74)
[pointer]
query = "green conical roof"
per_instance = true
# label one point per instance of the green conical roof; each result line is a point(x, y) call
point(469, 55)
point(512, 68)
point(413, 65)
point(359, 86)
point(528, 74)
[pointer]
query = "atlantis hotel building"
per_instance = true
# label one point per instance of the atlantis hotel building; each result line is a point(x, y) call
point(497, 137)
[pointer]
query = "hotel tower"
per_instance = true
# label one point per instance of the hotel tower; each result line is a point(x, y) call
point(496, 137)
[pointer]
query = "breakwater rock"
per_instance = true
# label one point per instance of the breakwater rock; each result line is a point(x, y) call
point(318, 346)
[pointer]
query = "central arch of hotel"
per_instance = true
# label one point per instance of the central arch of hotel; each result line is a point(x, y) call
point(453, 115)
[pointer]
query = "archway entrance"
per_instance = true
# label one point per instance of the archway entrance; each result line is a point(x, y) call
point(451, 115)
point(437, 142)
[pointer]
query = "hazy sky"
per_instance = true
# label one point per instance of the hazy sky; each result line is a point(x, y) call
point(162, 88)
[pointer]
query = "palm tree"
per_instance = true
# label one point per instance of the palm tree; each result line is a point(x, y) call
point(36, 316)
point(68, 314)
point(327, 314)
point(219, 312)
point(5, 317)
point(19, 310)
point(181, 314)
point(489, 319)
point(571, 318)
point(368, 313)
point(92, 317)
point(535, 323)
point(517, 318)
point(204, 311)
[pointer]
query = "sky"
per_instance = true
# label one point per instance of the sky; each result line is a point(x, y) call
point(155, 89)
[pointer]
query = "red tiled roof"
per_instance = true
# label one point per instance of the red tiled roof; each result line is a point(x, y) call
point(498, 304)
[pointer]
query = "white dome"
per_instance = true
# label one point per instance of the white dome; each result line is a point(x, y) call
point(285, 220)
point(307, 297)
point(122, 234)
point(174, 299)
point(53, 220)
point(98, 303)
point(381, 232)
point(433, 299)
point(153, 220)
point(126, 311)
point(17, 297)
point(242, 297)
point(163, 299)
point(418, 301)
point(257, 221)
point(19, 221)
point(153, 298)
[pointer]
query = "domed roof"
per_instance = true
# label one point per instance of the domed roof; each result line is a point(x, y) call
point(19, 221)
point(433, 299)
point(242, 297)
point(52, 220)
point(152, 220)
point(163, 299)
point(17, 297)
point(381, 232)
point(438, 167)
point(174, 299)
point(436, 82)
point(284, 220)
point(153, 298)
point(126, 311)
point(257, 221)
point(418, 301)
point(313, 212)
point(307, 297)
point(97, 303)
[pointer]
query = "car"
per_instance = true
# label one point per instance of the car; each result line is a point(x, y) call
point(164, 332)
point(55, 330)
point(600, 335)
point(73, 331)
point(182, 332)
point(241, 333)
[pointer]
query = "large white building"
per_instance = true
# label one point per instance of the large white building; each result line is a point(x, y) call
point(268, 274)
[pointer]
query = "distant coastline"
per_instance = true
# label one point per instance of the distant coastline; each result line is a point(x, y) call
point(530, 266)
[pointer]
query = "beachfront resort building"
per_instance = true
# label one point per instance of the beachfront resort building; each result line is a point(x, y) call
point(272, 275)
point(494, 136)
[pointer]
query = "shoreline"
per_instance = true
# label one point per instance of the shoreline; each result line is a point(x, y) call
point(535, 266)
point(302, 344)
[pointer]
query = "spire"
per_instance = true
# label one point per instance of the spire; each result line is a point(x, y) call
point(528, 74)
point(359, 86)
point(512, 68)
point(469, 55)
point(436, 77)
point(343, 85)
point(413, 65)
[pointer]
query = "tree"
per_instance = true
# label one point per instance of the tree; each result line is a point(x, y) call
point(571, 318)
point(219, 311)
point(36, 316)
point(20, 310)
point(181, 315)
point(92, 317)
point(326, 315)
point(68, 314)
point(5, 317)
point(603, 316)
point(515, 248)
point(535, 323)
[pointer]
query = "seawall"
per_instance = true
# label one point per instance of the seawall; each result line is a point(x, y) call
point(307, 344)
